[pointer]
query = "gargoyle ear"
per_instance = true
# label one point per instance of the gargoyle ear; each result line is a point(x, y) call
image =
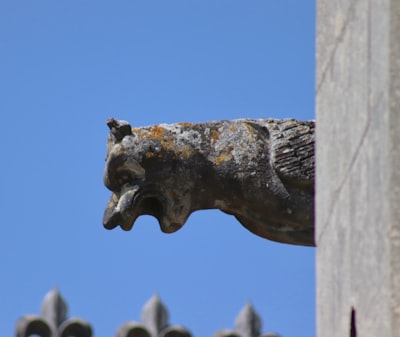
point(119, 128)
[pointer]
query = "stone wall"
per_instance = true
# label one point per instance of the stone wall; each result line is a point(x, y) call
point(358, 168)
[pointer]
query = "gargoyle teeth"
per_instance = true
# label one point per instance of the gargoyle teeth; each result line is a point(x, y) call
point(126, 200)
point(118, 210)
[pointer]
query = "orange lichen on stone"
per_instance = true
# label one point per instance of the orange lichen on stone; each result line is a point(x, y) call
point(223, 157)
point(155, 132)
point(250, 129)
point(189, 125)
point(166, 138)
point(214, 134)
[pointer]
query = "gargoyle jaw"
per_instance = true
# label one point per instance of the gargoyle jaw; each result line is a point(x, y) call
point(123, 210)
point(119, 210)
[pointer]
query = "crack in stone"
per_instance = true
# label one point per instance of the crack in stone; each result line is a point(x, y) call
point(355, 156)
point(339, 40)
point(338, 191)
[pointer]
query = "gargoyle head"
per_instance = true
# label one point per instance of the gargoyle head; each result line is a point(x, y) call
point(143, 174)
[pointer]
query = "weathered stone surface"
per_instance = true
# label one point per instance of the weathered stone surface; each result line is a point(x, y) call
point(358, 168)
point(261, 171)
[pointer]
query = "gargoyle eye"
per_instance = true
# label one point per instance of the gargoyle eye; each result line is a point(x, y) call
point(124, 177)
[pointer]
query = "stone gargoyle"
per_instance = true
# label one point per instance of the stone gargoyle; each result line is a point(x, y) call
point(259, 170)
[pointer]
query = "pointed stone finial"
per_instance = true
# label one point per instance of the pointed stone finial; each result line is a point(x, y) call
point(54, 308)
point(154, 323)
point(248, 322)
point(53, 321)
point(155, 314)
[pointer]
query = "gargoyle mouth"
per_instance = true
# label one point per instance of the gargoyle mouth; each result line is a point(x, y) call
point(124, 208)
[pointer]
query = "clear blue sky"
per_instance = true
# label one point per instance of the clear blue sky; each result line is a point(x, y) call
point(65, 67)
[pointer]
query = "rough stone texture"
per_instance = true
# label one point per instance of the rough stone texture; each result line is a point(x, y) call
point(358, 168)
point(261, 171)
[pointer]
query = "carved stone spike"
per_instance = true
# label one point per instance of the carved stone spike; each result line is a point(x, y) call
point(248, 322)
point(154, 323)
point(53, 322)
point(259, 170)
point(155, 315)
point(54, 308)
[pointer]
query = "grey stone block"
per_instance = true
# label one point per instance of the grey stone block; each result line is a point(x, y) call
point(358, 168)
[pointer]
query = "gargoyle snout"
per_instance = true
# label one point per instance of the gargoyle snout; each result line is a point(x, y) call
point(120, 170)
